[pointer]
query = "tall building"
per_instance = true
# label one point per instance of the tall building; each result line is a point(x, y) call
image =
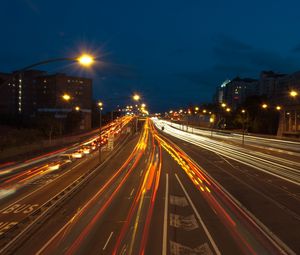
point(33, 92)
point(220, 93)
point(270, 86)
point(236, 91)
point(278, 89)
point(50, 91)
point(8, 95)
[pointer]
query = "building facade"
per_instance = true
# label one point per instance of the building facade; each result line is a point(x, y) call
point(50, 91)
point(235, 92)
point(31, 93)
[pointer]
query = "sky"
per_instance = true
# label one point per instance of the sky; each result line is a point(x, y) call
point(172, 52)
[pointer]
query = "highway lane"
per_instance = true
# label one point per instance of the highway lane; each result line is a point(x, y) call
point(285, 169)
point(274, 201)
point(28, 192)
point(94, 201)
point(17, 169)
point(153, 201)
point(280, 145)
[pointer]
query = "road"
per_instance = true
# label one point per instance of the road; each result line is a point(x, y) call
point(280, 145)
point(27, 186)
point(165, 195)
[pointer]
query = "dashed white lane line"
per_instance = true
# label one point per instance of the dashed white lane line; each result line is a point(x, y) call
point(217, 251)
point(107, 241)
point(131, 192)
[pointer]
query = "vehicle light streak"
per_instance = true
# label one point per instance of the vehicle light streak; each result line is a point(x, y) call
point(150, 184)
point(134, 157)
point(248, 235)
point(278, 167)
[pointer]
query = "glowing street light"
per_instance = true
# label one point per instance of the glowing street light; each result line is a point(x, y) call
point(293, 93)
point(243, 111)
point(264, 106)
point(66, 97)
point(278, 108)
point(223, 105)
point(77, 108)
point(228, 109)
point(100, 104)
point(85, 60)
point(204, 111)
point(143, 105)
point(196, 108)
point(136, 97)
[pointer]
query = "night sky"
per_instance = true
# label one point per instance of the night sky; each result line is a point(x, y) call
point(173, 52)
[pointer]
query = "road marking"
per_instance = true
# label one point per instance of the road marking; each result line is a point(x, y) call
point(178, 201)
point(141, 172)
point(187, 223)
point(20, 208)
point(36, 190)
point(131, 192)
point(4, 226)
point(217, 251)
point(165, 232)
point(177, 249)
point(107, 241)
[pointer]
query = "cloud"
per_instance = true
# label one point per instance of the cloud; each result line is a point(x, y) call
point(243, 57)
point(236, 58)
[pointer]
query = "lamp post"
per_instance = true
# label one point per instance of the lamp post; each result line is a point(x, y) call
point(211, 120)
point(100, 104)
point(245, 115)
point(136, 97)
point(294, 94)
point(84, 60)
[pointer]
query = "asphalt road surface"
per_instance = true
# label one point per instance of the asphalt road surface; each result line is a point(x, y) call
point(170, 193)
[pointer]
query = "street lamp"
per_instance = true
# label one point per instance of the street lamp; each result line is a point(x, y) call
point(278, 108)
point(85, 60)
point(136, 97)
point(77, 108)
point(244, 118)
point(223, 105)
point(264, 106)
point(100, 104)
point(211, 121)
point(228, 109)
point(293, 93)
point(66, 97)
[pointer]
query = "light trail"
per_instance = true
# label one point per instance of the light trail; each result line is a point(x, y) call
point(249, 235)
point(293, 147)
point(126, 170)
point(148, 187)
point(14, 178)
point(279, 167)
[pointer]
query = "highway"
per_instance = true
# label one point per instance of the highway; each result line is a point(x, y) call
point(27, 186)
point(280, 145)
point(164, 193)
